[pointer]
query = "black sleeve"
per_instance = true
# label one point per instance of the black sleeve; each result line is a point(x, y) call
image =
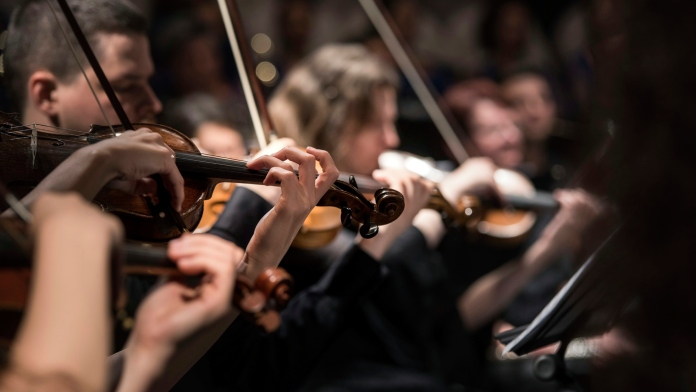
point(242, 213)
point(251, 360)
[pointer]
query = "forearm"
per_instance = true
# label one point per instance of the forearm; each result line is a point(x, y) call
point(65, 330)
point(85, 172)
point(492, 293)
point(430, 224)
point(271, 241)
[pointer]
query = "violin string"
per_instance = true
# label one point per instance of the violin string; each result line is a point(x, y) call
point(15, 205)
point(232, 165)
point(77, 60)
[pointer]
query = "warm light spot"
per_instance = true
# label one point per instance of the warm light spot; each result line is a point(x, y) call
point(468, 211)
point(261, 43)
point(267, 73)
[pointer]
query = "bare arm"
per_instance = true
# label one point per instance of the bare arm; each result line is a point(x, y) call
point(492, 293)
point(66, 330)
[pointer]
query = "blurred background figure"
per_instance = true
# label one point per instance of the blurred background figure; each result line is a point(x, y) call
point(511, 39)
point(547, 150)
point(202, 118)
point(487, 120)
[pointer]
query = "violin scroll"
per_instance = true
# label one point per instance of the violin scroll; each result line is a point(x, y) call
point(262, 300)
point(388, 206)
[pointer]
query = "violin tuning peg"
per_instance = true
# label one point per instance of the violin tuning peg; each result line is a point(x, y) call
point(269, 321)
point(352, 182)
point(346, 216)
point(369, 230)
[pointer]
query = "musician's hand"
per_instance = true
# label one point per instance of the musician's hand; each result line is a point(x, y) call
point(476, 175)
point(122, 162)
point(174, 312)
point(299, 194)
point(417, 193)
point(270, 193)
point(578, 210)
point(134, 156)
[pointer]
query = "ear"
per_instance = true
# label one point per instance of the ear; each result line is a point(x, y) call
point(42, 95)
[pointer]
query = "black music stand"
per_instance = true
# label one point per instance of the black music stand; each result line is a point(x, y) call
point(588, 305)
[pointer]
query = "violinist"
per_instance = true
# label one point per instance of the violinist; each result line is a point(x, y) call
point(58, 99)
point(318, 315)
point(343, 99)
point(548, 140)
point(50, 90)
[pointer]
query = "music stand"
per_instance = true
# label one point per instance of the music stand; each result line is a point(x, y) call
point(588, 305)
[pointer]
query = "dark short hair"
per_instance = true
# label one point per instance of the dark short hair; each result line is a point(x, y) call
point(189, 112)
point(35, 40)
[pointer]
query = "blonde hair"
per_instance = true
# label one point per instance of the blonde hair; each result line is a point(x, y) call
point(329, 97)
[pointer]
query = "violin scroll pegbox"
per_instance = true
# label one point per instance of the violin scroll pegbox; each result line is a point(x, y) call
point(387, 207)
point(263, 300)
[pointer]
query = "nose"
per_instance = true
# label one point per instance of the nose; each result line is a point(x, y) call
point(152, 106)
point(391, 136)
point(512, 134)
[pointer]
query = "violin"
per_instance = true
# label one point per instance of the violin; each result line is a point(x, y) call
point(29, 154)
point(260, 300)
point(483, 218)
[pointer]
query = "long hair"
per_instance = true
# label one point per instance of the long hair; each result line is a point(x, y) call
point(328, 97)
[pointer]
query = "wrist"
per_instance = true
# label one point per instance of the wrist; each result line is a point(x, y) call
point(142, 367)
point(269, 193)
point(429, 223)
point(102, 161)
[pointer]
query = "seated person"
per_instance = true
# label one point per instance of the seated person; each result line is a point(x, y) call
point(550, 143)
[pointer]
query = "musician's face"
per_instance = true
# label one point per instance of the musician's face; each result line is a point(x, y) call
point(530, 96)
point(374, 137)
point(126, 61)
point(495, 134)
point(220, 140)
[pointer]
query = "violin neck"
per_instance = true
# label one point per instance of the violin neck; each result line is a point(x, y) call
point(541, 201)
point(221, 169)
point(147, 260)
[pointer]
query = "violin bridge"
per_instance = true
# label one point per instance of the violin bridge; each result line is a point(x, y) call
point(34, 145)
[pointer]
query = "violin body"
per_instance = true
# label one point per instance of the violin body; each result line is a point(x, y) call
point(213, 207)
point(27, 160)
point(484, 221)
point(135, 213)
